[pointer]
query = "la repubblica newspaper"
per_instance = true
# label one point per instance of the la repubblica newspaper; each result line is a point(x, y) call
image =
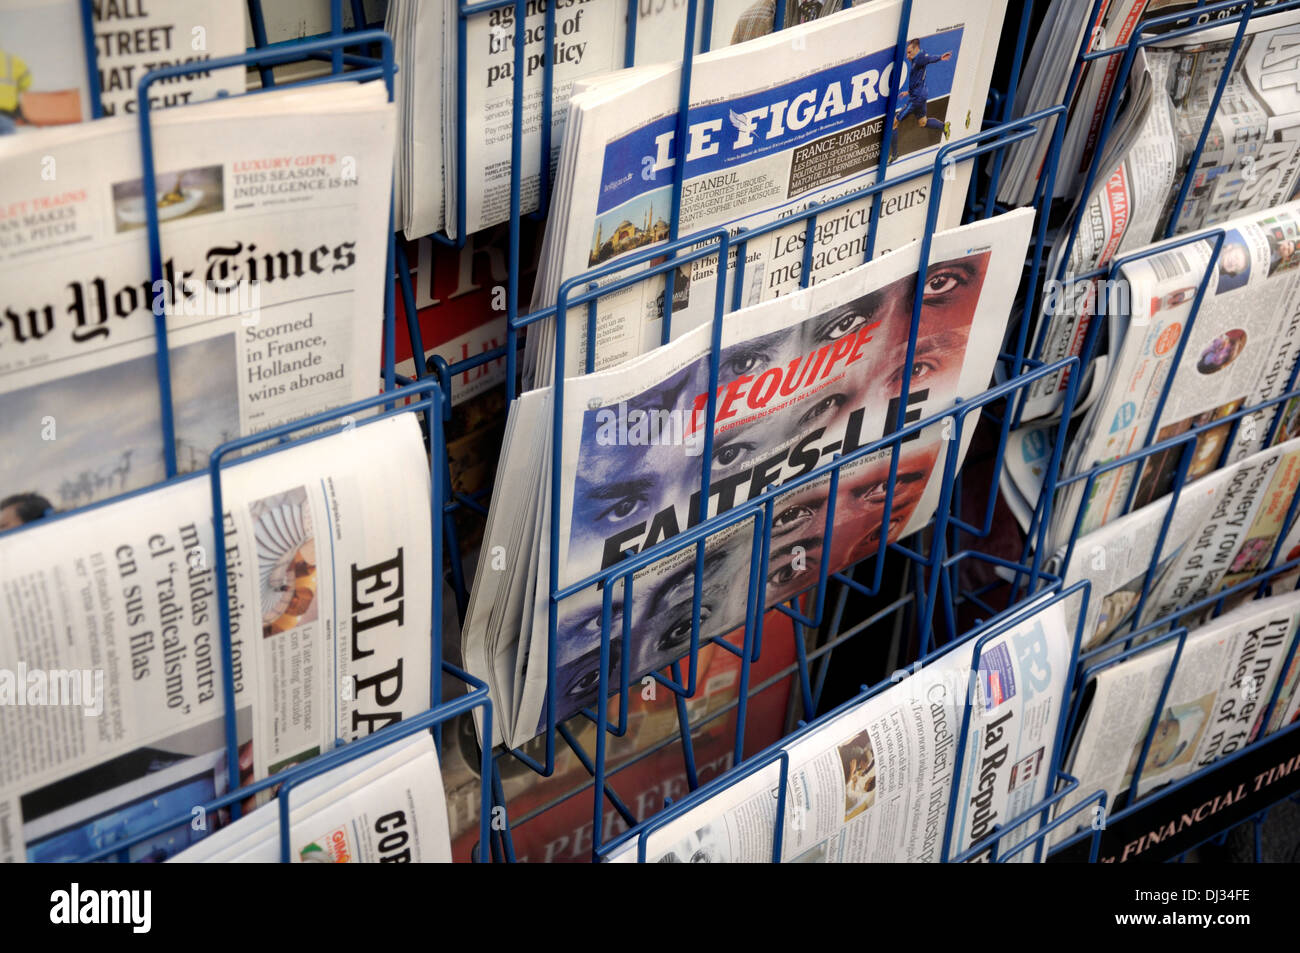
point(875, 782)
point(774, 124)
point(1237, 351)
point(130, 39)
point(1216, 703)
point(110, 645)
point(802, 378)
point(273, 237)
point(1251, 162)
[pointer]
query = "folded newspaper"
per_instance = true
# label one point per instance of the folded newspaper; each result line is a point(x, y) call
point(1238, 350)
point(874, 782)
point(1215, 706)
point(1223, 532)
point(384, 807)
point(774, 125)
point(110, 647)
point(802, 378)
point(274, 246)
point(43, 67)
point(1250, 163)
point(588, 38)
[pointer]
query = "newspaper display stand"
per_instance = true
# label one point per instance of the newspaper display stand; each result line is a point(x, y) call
point(423, 399)
point(937, 599)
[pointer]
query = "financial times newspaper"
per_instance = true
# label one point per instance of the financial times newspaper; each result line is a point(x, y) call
point(774, 124)
point(1237, 351)
point(1250, 161)
point(1223, 531)
point(802, 378)
point(273, 253)
point(874, 783)
point(110, 648)
point(1215, 706)
point(384, 807)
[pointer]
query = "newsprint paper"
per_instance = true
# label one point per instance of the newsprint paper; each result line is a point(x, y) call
point(387, 806)
point(1237, 351)
point(272, 212)
point(1215, 706)
point(110, 652)
point(873, 784)
point(774, 125)
point(802, 378)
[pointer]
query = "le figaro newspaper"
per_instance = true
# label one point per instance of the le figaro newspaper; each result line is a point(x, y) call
point(111, 653)
point(875, 782)
point(802, 378)
point(273, 234)
point(774, 124)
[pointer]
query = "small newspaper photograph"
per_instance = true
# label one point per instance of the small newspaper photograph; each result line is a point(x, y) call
point(111, 646)
point(874, 783)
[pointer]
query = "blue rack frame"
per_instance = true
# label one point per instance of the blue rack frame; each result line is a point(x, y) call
point(425, 399)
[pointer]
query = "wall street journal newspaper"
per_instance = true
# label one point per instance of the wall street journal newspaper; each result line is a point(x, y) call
point(110, 650)
point(774, 124)
point(874, 783)
point(802, 378)
point(274, 240)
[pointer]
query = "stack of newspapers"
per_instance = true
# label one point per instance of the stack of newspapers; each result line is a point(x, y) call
point(383, 807)
point(273, 270)
point(767, 136)
point(877, 780)
point(111, 648)
point(1250, 163)
point(800, 380)
point(1223, 682)
point(594, 41)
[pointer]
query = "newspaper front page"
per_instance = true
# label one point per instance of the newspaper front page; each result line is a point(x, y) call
point(802, 378)
point(774, 125)
point(110, 649)
point(274, 244)
point(873, 784)
point(1215, 704)
point(1237, 351)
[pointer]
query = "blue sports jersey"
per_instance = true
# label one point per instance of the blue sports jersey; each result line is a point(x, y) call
point(916, 80)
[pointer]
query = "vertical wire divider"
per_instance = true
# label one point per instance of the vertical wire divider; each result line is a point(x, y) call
point(91, 43)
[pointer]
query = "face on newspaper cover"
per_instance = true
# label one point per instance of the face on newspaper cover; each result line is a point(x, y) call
point(633, 493)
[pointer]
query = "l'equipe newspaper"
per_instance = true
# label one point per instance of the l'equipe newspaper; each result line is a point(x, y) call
point(802, 378)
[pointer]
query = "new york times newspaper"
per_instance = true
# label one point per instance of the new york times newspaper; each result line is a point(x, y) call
point(326, 545)
point(774, 125)
point(273, 251)
point(1215, 705)
point(1251, 159)
point(1238, 351)
point(874, 783)
point(802, 378)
